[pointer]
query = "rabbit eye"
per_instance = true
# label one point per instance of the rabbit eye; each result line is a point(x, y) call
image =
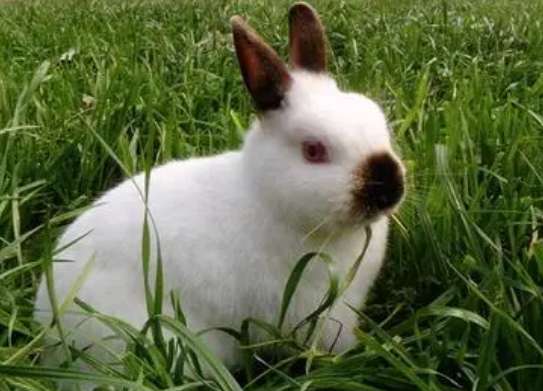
point(314, 151)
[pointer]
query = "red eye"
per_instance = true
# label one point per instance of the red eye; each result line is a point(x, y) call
point(314, 151)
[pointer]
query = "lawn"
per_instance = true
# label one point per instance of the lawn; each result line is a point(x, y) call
point(94, 90)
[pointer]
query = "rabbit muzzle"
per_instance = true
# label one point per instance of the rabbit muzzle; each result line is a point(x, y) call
point(379, 185)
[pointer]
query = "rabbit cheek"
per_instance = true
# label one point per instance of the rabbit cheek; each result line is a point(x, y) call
point(378, 185)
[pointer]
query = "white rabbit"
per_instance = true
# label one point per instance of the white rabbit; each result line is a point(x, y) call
point(315, 169)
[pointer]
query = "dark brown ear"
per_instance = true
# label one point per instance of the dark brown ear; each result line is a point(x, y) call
point(266, 76)
point(307, 39)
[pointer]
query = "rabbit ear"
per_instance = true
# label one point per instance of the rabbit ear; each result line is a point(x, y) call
point(265, 75)
point(307, 40)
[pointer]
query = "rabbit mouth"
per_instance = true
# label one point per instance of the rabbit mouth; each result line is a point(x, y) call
point(372, 216)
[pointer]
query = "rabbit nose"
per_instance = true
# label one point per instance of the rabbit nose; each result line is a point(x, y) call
point(379, 183)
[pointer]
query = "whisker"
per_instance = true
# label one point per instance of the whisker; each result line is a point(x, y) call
point(318, 226)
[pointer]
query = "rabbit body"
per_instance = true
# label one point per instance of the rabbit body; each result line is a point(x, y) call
point(223, 250)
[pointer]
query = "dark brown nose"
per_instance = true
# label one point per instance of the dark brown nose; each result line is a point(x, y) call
point(379, 183)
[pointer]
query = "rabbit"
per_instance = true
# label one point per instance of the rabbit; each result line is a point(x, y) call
point(316, 168)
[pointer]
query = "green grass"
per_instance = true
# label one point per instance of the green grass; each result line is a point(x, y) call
point(460, 303)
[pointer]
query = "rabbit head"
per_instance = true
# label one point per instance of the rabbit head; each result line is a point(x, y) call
point(319, 155)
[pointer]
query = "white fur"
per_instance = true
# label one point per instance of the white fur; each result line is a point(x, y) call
point(232, 226)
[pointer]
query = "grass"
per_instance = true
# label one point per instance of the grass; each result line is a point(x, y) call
point(460, 303)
